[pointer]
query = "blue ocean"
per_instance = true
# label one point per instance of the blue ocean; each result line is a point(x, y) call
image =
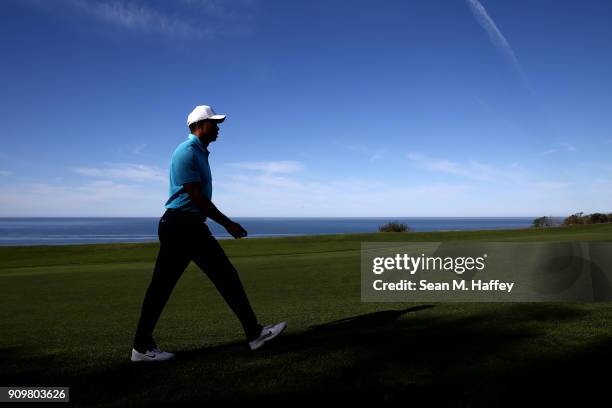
point(56, 231)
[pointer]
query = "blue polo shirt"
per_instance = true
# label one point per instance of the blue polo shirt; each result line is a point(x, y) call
point(189, 164)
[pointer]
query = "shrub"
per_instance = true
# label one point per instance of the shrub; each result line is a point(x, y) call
point(542, 222)
point(574, 219)
point(580, 218)
point(393, 226)
point(598, 218)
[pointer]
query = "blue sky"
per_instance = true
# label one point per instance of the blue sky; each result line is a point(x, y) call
point(335, 108)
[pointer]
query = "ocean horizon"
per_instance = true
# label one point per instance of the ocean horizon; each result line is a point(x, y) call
point(90, 230)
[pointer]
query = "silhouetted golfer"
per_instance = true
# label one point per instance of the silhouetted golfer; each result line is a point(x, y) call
point(185, 237)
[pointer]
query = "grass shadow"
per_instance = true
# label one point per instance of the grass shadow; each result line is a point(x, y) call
point(387, 357)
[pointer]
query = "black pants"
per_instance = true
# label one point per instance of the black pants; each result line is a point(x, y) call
point(184, 237)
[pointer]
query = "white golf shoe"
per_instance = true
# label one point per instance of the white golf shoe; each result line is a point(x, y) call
point(154, 354)
point(267, 334)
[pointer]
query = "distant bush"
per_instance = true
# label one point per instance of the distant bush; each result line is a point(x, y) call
point(580, 219)
point(542, 222)
point(574, 219)
point(599, 218)
point(393, 226)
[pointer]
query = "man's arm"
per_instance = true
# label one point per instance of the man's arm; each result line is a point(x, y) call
point(195, 193)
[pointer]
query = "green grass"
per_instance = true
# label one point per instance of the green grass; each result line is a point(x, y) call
point(68, 315)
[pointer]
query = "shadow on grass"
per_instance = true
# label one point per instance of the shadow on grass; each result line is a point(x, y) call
point(500, 357)
point(369, 319)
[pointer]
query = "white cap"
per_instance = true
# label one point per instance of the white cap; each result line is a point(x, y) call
point(203, 112)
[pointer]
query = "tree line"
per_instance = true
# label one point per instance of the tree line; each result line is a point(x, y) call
point(574, 219)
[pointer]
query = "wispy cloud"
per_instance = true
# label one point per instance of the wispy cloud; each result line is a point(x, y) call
point(563, 147)
point(512, 177)
point(568, 147)
point(142, 150)
point(259, 194)
point(256, 194)
point(602, 167)
point(378, 154)
point(5, 173)
point(138, 150)
point(496, 37)
point(97, 198)
point(198, 19)
point(124, 171)
point(284, 166)
point(471, 169)
point(373, 154)
point(135, 16)
point(253, 190)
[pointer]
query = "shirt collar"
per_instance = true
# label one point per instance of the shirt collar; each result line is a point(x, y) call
point(198, 142)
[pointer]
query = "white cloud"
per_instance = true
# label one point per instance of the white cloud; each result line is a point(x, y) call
point(98, 198)
point(512, 190)
point(601, 167)
point(134, 16)
point(563, 147)
point(139, 149)
point(124, 171)
point(115, 189)
point(568, 147)
point(278, 188)
point(272, 195)
point(372, 153)
point(196, 19)
point(495, 35)
point(471, 169)
point(378, 154)
point(214, 8)
point(249, 194)
point(549, 185)
point(284, 166)
point(268, 179)
point(263, 193)
point(497, 38)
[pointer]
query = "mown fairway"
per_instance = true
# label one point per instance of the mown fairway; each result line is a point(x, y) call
point(68, 315)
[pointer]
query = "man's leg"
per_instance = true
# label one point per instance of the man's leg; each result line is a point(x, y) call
point(172, 260)
point(211, 258)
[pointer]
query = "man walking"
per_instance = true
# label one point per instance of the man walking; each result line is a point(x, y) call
point(185, 237)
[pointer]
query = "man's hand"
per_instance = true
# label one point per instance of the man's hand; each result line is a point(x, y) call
point(210, 210)
point(236, 230)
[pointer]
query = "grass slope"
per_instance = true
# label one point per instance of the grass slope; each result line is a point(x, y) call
point(68, 314)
